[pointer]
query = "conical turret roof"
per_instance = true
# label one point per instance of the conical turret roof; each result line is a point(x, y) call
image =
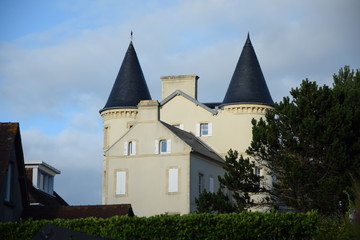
point(248, 83)
point(130, 86)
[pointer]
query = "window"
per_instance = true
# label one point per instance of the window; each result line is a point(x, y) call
point(45, 182)
point(211, 184)
point(163, 146)
point(130, 148)
point(106, 136)
point(120, 183)
point(204, 129)
point(8, 183)
point(257, 173)
point(173, 180)
point(201, 182)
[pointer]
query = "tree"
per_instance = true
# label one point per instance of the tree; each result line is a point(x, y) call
point(240, 179)
point(311, 143)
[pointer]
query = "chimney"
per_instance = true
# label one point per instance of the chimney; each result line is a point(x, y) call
point(184, 83)
point(148, 110)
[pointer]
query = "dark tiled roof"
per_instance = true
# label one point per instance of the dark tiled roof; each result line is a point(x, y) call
point(248, 83)
point(10, 140)
point(130, 86)
point(72, 212)
point(195, 143)
point(37, 196)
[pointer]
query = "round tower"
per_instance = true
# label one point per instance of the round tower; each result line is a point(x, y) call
point(247, 96)
point(120, 111)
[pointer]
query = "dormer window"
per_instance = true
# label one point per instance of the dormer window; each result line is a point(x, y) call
point(42, 175)
point(45, 182)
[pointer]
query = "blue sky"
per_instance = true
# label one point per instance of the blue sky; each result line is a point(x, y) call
point(59, 59)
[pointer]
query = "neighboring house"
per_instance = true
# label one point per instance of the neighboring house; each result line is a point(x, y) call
point(40, 179)
point(150, 159)
point(26, 190)
point(13, 191)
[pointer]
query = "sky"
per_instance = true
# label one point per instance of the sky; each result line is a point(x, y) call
point(59, 60)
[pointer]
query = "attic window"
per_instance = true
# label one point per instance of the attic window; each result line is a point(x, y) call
point(45, 182)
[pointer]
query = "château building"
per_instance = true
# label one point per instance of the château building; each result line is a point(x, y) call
point(159, 155)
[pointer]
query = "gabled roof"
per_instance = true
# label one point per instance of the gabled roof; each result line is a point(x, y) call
point(196, 102)
point(195, 143)
point(130, 86)
point(10, 140)
point(248, 83)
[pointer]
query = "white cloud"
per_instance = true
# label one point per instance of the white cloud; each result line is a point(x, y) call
point(54, 82)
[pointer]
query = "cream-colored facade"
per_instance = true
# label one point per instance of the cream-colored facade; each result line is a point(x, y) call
point(137, 171)
point(160, 156)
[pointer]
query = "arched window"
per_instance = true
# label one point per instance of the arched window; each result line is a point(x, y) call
point(132, 148)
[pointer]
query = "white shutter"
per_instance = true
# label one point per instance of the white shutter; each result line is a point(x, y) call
point(168, 146)
point(198, 129)
point(126, 150)
point(133, 152)
point(156, 146)
point(173, 180)
point(211, 185)
point(120, 182)
point(209, 129)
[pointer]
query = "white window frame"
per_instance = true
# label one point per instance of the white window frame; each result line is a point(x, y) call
point(162, 144)
point(200, 131)
point(132, 148)
point(173, 180)
point(121, 182)
point(159, 148)
point(45, 182)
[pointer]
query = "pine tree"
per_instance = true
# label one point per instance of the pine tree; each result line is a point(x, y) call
point(311, 143)
point(240, 179)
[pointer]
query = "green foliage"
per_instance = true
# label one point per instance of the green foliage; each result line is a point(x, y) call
point(240, 179)
point(245, 225)
point(214, 203)
point(311, 142)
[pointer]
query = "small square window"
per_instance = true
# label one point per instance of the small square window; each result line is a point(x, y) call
point(204, 129)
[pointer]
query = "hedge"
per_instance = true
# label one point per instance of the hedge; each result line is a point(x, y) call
point(192, 226)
